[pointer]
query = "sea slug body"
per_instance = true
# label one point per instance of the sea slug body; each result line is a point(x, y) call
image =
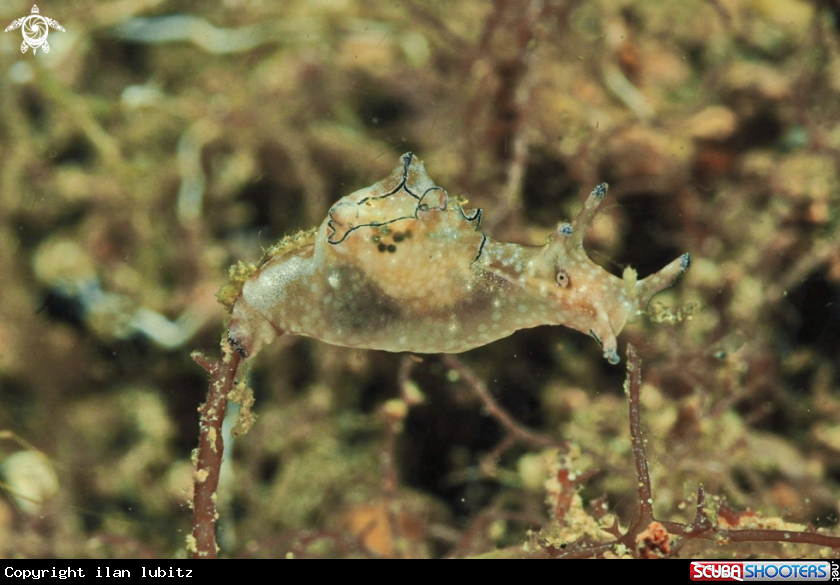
point(401, 266)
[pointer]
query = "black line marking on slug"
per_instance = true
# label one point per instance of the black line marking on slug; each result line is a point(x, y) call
point(354, 228)
point(480, 249)
point(406, 160)
point(476, 216)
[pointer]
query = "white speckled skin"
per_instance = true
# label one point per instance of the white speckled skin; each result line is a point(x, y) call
point(400, 266)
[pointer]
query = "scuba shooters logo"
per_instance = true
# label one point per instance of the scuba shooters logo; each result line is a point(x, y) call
point(765, 571)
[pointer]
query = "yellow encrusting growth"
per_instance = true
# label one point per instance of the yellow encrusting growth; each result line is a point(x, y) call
point(238, 274)
point(297, 240)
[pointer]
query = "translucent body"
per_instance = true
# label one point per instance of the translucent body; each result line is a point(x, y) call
point(400, 266)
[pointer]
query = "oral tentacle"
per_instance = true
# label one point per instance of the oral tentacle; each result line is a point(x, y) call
point(606, 338)
point(659, 281)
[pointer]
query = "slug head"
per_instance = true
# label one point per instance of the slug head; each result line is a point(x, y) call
point(587, 297)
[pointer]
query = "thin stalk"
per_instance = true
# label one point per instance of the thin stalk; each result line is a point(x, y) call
point(211, 448)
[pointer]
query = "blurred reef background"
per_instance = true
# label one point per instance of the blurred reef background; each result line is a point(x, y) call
point(159, 142)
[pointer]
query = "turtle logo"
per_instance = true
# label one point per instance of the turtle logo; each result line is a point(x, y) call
point(35, 30)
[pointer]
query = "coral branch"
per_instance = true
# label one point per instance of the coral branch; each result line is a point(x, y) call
point(208, 457)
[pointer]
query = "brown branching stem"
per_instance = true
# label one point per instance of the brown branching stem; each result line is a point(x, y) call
point(210, 452)
point(702, 527)
point(634, 383)
point(520, 432)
